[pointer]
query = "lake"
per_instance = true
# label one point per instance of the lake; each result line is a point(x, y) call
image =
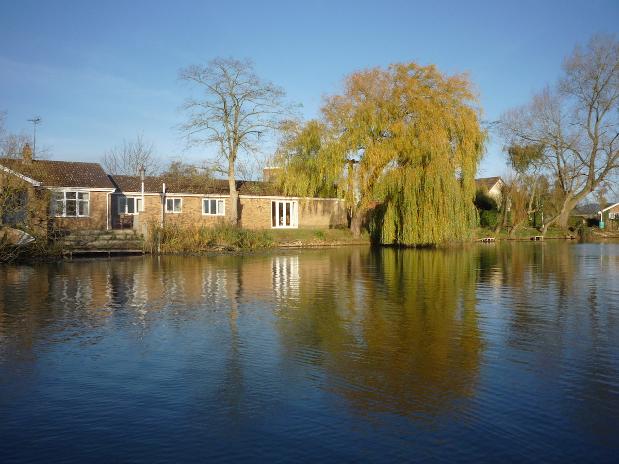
point(499, 352)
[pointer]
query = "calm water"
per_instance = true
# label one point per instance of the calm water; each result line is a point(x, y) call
point(503, 353)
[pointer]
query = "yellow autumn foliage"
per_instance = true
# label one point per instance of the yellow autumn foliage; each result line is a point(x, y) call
point(407, 137)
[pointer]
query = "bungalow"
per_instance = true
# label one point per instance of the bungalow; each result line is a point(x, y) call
point(185, 201)
point(82, 196)
point(609, 216)
point(493, 185)
point(74, 195)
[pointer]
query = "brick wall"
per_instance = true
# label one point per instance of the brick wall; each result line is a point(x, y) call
point(322, 213)
point(319, 213)
point(191, 212)
point(255, 212)
point(97, 219)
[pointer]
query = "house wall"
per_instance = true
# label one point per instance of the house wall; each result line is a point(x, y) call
point(611, 224)
point(320, 213)
point(97, 219)
point(614, 209)
point(190, 215)
point(255, 212)
point(495, 191)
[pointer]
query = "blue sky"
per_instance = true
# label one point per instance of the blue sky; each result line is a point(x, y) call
point(99, 72)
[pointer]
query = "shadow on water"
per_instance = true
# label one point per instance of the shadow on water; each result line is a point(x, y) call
point(505, 351)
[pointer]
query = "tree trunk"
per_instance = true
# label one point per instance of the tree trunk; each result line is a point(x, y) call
point(233, 211)
point(502, 223)
point(356, 222)
point(515, 228)
point(563, 217)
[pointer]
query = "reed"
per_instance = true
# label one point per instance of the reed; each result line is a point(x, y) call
point(202, 239)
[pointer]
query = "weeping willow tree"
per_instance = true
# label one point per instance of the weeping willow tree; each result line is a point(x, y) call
point(406, 137)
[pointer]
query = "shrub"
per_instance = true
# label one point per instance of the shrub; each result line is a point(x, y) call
point(488, 218)
point(200, 239)
point(320, 235)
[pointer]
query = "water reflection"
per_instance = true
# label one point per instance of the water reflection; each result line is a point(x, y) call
point(489, 340)
point(397, 332)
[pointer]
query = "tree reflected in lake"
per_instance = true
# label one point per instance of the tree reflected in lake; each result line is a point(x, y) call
point(397, 331)
point(487, 348)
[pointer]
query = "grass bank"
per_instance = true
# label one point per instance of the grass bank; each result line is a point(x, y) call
point(524, 233)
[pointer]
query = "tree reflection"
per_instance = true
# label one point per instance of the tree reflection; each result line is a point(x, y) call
point(397, 330)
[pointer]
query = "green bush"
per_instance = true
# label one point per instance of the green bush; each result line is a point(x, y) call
point(320, 235)
point(488, 218)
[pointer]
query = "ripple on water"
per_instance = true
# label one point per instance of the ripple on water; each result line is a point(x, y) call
point(504, 352)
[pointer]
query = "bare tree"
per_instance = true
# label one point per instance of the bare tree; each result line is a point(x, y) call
point(577, 123)
point(128, 157)
point(233, 111)
point(11, 144)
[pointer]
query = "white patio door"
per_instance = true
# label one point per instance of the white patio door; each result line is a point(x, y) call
point(284, 214)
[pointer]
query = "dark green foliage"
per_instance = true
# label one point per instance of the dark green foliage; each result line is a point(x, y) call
point(485, 202)
point(488, 218)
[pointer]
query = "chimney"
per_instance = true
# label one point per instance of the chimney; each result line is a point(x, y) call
point(269, 173)
point(26, 153)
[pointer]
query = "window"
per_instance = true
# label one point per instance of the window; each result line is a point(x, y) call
point(613, 215)
point(284, 214)
point(71, 204)
point(173, 205)
point(129, 205)
point(213, 206)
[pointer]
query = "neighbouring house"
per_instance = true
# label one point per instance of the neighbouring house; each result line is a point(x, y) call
point(609, 216)
point(492, 185)
point(603, 215)
point(82, 196)
point(64, 194)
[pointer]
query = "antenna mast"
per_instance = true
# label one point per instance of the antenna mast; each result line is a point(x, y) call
point(36, 120)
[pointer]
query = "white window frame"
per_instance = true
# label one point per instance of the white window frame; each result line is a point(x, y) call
point(218, 202)
point(64, 200)
point(136, 208)
point(173, 199)
point(613, 215)
point(278, 221)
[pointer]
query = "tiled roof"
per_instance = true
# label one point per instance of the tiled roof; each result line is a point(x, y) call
point(60, 173)
point(205, 186)
point(590, 209)
point(487, 182)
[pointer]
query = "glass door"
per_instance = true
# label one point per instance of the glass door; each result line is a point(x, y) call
point(284, 214)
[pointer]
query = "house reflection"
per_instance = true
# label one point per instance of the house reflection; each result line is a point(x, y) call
point(389, 331)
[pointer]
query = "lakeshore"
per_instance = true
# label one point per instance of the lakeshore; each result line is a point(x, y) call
point(239, 241)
